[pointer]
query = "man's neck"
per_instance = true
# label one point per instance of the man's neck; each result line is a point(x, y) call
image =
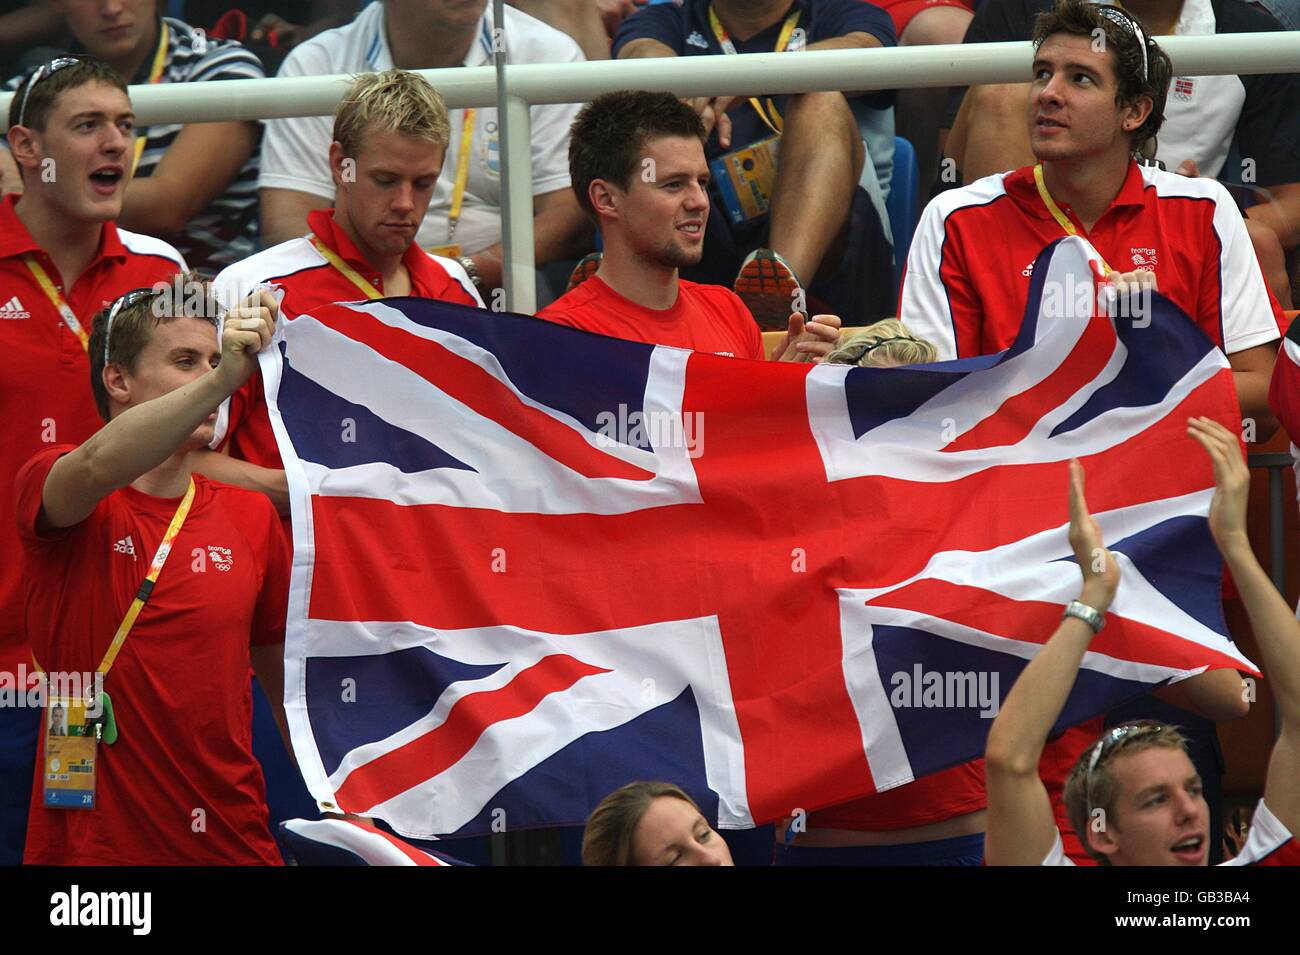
point(169, 479)
point(1158, 16)
point(71, 244)
point(745, 20)
point(420, 41)
point(1087, 187)
point(129, 63)
point(649, 284)
point(395, 278)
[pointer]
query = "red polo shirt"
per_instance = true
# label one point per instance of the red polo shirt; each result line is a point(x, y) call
point(972, 257)
point(44, 375)
point(308, 281)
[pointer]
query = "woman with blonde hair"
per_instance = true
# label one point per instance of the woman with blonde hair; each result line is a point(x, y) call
point(886, 344)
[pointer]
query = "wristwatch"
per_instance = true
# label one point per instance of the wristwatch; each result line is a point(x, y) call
point(468, 265)
point(1088, 615)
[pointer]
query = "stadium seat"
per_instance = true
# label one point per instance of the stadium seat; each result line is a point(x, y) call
point(902, 202)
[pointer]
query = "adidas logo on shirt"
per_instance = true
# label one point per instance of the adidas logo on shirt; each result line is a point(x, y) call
point(13, 310)
point(125, 546)
point(697, 39)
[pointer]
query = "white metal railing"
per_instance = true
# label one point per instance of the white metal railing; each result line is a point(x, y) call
point(531, 84)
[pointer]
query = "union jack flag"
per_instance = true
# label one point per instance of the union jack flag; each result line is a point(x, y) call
point(502, 608)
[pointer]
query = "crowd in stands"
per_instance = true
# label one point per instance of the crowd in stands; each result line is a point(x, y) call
point(762, 213)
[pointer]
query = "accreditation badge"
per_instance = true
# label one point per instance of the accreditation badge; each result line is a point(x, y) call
point(72, 733)
point(446, 251)
point(745, 179)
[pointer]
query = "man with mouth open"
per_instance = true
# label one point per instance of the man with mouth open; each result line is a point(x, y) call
point(637, 164)
point(390, 139)
point(62, 259)
point(1134, 796)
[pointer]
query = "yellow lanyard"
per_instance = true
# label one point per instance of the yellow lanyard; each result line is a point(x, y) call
point(462, 175)
point(348, 271)
point(69, 317)
point(782, 43)
point(1062, 219)
point(155, 74)
point(146, 588)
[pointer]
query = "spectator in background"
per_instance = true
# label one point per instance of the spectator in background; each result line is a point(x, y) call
point(590, 22)
point(179, 785)
point(27, 28)
point(920, 111)
point(390, 140)
point(820, 231)
point(193, 184)
point(1203, 117)
point(651, 824)
point(62, 259)
point(464, 218)
point(268, 28)
point(637, 164)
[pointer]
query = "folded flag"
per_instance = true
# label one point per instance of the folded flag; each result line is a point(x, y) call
point(532, 564)
point(348, 842)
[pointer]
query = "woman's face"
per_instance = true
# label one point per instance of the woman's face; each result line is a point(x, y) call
point(672, 832)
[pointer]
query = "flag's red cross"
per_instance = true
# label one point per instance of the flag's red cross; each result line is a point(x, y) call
point(765, 552)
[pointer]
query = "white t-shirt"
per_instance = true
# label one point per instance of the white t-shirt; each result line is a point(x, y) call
point(1268, 843)
point(295, 152)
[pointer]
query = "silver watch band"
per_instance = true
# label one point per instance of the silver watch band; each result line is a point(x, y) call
point(1088, 615)
point(471, 270)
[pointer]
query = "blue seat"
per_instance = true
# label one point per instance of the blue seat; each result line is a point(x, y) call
point(903, 202)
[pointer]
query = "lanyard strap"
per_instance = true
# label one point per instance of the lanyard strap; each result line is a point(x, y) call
point(146, 587)
point(1062, 219)
point(782, 44)
point(155, 74)
point(56, 299)
point(462, 174)
point(348, 271)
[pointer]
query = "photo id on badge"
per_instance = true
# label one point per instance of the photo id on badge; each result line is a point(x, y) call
point(72, 734)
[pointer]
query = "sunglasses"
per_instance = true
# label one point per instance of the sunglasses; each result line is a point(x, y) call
point(131, 298)
point(43, 72)
point(1123, 18)
point(1112, 740)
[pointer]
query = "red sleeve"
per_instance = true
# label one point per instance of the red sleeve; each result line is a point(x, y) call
point(273, 599)
point(1284, 391)
point(29, 490)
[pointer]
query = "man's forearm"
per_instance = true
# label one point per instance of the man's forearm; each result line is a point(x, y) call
point(1019, 733)
point(1252, 396)
point(1276, 629)
point(850, 41)
point(143, 437)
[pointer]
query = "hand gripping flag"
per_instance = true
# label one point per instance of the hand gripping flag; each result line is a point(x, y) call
point(532, 564)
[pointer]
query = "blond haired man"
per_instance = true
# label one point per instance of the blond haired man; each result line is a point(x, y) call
point(1134, 796)
point(390, 140)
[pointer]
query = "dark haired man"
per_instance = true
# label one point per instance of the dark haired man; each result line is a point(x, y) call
point(967, 284)
point(637, 164)
point(1092, 106)
point(1134, 796)
point(821, 231)
point(61, 260)
point(120, 517)
point(1207, 118)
